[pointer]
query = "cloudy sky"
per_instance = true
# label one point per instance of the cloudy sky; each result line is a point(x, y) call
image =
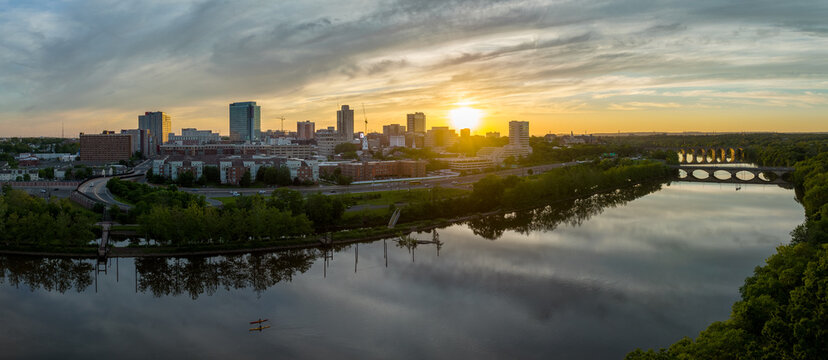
point(583, 66)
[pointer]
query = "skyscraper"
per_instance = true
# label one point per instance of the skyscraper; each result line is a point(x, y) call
point(245, 121)
point(304, 130)
point(519, 133)
point(159, 126)
point(416, 122)
point(345, 122)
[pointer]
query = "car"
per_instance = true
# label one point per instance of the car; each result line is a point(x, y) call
point(261, 192)
point(43, 191)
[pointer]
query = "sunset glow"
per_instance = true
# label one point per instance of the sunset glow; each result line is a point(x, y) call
point(465, 118)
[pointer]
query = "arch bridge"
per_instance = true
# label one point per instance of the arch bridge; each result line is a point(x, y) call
point(713, 155)
point(733, 174)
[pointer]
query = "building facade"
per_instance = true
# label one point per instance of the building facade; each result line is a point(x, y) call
point(440, 136)
point(519, 133)
point(295, 150)
point(105, 147)
point(345, 122)
point(416, 122)
point(192, 136)
point(305, 130)
point(326, 141)
point(377, 170)
point(159, 126)
point(245, 121)
point(393, 130)
point(140, 140)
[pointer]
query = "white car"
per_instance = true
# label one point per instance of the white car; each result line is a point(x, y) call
point(262, 192)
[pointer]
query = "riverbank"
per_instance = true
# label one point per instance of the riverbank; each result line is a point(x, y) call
point(339, 238)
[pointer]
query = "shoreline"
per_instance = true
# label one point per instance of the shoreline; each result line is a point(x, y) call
point(425, 225)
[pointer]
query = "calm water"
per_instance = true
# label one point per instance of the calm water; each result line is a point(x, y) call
point(591, 279)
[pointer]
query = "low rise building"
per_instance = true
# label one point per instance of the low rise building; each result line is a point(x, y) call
point(376, 170)
point(468, 164)
point(105, 147)
point(192, 136)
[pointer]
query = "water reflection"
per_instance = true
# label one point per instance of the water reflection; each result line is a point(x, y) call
point(643, 274)
point(199, 275)
point(49, 274)
point(194, 276)
point(571, 212)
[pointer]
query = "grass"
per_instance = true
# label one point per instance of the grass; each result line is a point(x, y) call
point(226, 200)
point(404, 196)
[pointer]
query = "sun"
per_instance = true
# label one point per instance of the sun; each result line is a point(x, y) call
point(465, 117)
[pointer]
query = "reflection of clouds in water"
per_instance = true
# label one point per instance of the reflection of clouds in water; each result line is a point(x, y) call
point(639, 275)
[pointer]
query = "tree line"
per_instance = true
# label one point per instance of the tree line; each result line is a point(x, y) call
point(783, 310)
point(27, 221)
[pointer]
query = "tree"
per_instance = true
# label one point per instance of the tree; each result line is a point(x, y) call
point(212, 175)
point(346, 148)
point(186, 178)
point(246, 179)
point(47, 173)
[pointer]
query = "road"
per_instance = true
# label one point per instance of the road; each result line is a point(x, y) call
point(459, 182)
point(96, 188)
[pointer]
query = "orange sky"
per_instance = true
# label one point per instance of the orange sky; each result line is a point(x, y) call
point(569, 66)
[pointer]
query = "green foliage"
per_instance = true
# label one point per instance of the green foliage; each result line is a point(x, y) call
point(186, 179)
point(31, 221)
point(346, 148)
point(324, 211)
point(246, 179)
point(544, 152)
point(783, 311)
point(274, 176)
point(211, 175)
point(47, 173)
point(196, 224)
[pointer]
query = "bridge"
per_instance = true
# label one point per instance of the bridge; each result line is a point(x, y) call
point(733, 174)
point(714, 155)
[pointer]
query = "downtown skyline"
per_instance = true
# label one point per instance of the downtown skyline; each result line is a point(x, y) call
point(564, 66)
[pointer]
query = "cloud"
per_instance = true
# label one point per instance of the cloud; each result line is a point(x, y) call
point(100, 63)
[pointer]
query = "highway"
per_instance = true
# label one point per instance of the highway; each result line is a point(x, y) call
point(459, 182)
point(96, 188)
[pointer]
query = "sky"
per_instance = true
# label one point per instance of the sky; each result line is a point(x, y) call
point(584, 66)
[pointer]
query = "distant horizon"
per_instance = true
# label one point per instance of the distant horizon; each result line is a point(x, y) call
point(506, 134)
point(587, 66)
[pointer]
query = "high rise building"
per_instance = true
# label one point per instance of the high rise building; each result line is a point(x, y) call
point(245, 121)
point(345, 122)
point(465, 132)
point(416, 122)
point(159, 126)
point(305, 130)
point(519, 133)
point(393, 130)
point(140, 140)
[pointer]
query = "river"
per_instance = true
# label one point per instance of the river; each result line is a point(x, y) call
point(596, 278)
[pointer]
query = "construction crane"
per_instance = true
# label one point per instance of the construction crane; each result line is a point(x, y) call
point(282, 128)
point(366, 119)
